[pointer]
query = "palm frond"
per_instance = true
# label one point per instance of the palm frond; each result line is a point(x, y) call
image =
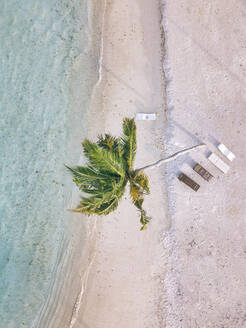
point(138, 203)
point(103, 160)
point(110, 143)
point(142, 180)
point(129, 142)
point(86, 174)
point(144, 219)
point(135, 191)
point(108, 207)
point(96, 206)
point(102, 201)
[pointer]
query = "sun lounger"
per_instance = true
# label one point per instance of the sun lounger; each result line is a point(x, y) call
point(189, 182)
point(221, 165)
point(202, 172)
point(225, 151)
point(145, 117)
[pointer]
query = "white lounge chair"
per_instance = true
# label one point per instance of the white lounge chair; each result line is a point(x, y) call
point(145, 116)
point(221, 165)
point(225, 151)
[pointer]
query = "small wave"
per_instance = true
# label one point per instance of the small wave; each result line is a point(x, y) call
point(79, 299)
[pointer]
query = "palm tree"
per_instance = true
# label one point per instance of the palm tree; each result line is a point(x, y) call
point(110, 168)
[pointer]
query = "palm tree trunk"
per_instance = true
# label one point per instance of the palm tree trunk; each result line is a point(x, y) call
point(172, 157)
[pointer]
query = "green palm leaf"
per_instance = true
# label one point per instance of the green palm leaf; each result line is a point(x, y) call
point(103, 160)
point(102, 202)
point(135, 191)
point(142, 180)
point(87, 175)
point(138, 185)
point(129, 142)
point(110, 143)
point(144, 219)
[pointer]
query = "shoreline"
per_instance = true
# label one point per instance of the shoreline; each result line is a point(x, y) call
point(126, 82)
point(63, 302)
point(134, 278)
point(118, 235)
point(110, 274)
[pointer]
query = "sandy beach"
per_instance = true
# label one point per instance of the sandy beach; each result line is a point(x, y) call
point(125, 284)
point(187, 269)
point(72, 70)
point(205, 71)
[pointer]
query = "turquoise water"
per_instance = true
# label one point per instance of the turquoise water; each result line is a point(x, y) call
point(40, 41)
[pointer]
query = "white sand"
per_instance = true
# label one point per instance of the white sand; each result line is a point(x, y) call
point(205, 66)
point(125, 285)
point(131, 282)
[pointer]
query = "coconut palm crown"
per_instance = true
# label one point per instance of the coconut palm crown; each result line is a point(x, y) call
point(110, 168)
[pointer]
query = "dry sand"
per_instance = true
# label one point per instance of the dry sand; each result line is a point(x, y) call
point(205, 67)
point(125, 285)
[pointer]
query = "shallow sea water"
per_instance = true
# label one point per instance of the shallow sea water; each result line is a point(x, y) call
point(40, 41)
